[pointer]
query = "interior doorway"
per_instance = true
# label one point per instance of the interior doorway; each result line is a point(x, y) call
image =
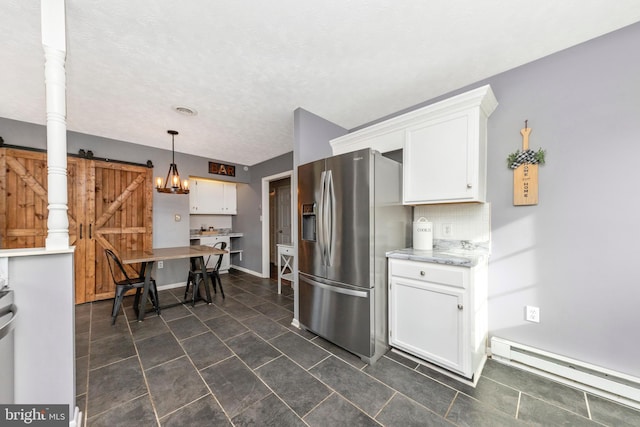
point(277, 216)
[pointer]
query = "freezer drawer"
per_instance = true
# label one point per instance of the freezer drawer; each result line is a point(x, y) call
point(339, 314)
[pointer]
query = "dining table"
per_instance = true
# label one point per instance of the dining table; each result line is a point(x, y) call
point(148, 257)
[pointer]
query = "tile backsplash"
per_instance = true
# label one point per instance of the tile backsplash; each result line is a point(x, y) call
point(467, 221)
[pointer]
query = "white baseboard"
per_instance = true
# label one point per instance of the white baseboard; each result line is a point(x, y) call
point(171, 286)
point(253, 273)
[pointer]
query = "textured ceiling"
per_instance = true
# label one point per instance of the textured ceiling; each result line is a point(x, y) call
point(245, 66)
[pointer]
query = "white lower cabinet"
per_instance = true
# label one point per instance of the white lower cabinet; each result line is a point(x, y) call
point(438, 313)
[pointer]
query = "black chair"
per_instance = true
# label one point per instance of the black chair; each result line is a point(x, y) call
point(125, 285)
point(214, 272)
point(196, 275)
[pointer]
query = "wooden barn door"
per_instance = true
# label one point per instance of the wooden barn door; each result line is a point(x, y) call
point(23, 206)
point(109, 206)
point(77, 191)
point(121, 218)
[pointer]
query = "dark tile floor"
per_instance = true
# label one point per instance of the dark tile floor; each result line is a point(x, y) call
point(240, 362)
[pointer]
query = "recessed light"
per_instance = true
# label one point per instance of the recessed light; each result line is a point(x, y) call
point(183, 109)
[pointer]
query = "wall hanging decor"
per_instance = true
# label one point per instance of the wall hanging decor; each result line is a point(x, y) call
point(525, 171)
point(222, 169)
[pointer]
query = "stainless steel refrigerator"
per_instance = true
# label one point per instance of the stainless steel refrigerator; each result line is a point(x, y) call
point(350, 213)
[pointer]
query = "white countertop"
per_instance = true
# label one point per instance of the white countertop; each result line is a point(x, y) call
point(445, 253)
point(230, 234)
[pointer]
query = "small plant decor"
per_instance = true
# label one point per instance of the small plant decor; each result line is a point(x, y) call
point(530, 157)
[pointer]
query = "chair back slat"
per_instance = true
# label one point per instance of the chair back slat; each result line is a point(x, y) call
point(223, 246)
point(114, 262)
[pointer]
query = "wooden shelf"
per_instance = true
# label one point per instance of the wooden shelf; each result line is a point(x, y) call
point(236, 251)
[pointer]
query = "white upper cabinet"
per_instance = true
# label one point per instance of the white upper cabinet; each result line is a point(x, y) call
point(444, 161)
point(444, 147)
point(212, 197)
point(230, 205)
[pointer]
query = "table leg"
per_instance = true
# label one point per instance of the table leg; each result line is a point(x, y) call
point(146, 267)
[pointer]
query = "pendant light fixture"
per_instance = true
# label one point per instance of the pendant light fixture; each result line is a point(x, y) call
point(172, 184)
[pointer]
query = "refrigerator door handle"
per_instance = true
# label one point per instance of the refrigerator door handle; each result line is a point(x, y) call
point(8, 327)
point(321, 213)
point(361, 294)
point(331, 204)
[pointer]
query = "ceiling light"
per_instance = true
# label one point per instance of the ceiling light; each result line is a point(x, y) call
point(187, 111)
point(172, 183)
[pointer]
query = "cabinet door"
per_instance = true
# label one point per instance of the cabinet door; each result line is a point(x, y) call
point(210, 197)
point(427, 320)
point(440, 160)
point(193, 196)
point(230, 199)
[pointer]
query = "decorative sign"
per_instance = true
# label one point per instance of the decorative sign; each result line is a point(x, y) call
point(221, 169)
point(525, 185)
point(525, 171)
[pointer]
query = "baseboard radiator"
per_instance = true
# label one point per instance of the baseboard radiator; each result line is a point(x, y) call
point(596, 380)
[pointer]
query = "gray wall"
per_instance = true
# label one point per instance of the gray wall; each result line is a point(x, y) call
point(573, 254)
point(250, 210)
point(166, 232)
point(311, 136)
point(311, 139)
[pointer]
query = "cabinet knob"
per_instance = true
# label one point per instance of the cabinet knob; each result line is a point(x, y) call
point(469, 185)
point(460, 307)
point(422, 273)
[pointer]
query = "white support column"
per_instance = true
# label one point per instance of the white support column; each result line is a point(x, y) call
point(54, 44)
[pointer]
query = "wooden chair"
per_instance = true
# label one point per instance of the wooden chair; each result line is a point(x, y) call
point(125, 285)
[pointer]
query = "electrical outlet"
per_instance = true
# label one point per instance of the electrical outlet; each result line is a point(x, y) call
point(160, 264)
point(532, 314)
point(447, 229)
